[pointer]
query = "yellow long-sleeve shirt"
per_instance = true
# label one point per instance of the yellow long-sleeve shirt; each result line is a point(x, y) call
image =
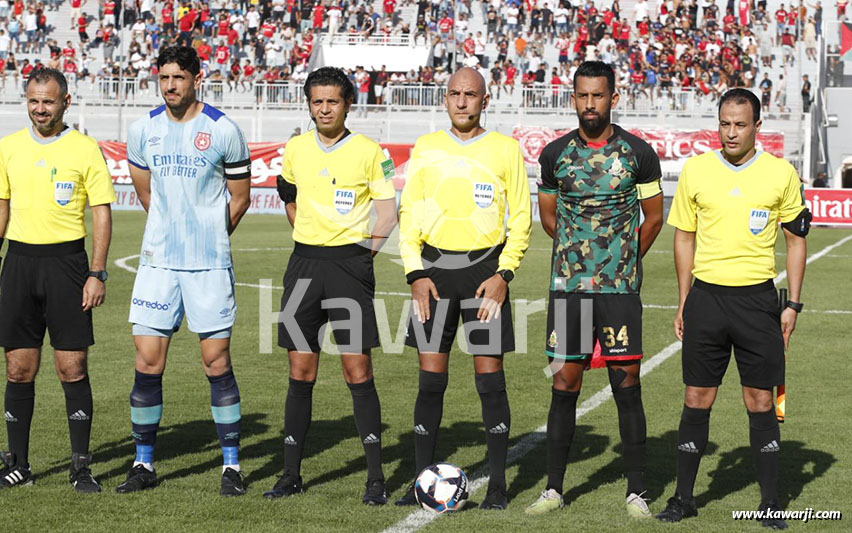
point(456, 196)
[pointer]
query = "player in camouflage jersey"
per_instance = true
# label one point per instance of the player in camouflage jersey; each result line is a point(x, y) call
point(594, 180)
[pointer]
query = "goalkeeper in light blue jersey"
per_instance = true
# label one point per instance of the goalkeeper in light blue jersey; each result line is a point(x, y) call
point(190, 167)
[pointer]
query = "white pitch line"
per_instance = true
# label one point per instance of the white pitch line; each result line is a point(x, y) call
point(783, 275)
point(420, 518)
point(122, 263)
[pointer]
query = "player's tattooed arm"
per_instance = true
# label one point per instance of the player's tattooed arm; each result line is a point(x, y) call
point(240, 191)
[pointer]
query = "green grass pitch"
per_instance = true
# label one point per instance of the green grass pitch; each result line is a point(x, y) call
point(816, 461)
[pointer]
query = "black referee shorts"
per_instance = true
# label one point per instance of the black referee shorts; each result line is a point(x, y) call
point(325, 283)
point(41, 287)
point(457, 275)
point(717, 318)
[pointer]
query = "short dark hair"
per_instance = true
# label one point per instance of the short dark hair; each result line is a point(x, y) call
point(325, 76)
point(44, 75)
point(185, 57)
point(742, 96)
point(596, 69)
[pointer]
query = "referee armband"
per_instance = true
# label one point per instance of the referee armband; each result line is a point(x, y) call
point(286, 190)
point(801, 225)
point(238, 170)
point(649, 190)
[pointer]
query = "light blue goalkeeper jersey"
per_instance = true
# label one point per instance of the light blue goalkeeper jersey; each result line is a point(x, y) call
point(187, 227)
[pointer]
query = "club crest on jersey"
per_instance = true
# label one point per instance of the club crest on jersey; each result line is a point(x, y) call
point(552, 341)
point(757, 220)
point(617, 168)
point(344, 200)
point(63, 191)
point(483, 194)
point(202, 141)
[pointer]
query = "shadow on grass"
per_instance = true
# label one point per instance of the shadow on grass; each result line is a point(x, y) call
point(173, 441)
point(660, 465)
point(736, 471)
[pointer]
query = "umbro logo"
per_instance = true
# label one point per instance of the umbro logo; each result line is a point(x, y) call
point(10, 417)
point(290, 441)
point(154, 141)
point(688, 447)
point(80, 415)
point(371, 439)
point(232, 435)
point(736, 192)
point(324, 172)
point(771, 447)
point(41, 163)
point(499, 429)
point(420, 430)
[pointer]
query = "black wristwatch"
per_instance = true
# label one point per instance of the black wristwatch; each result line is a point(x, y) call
point(795, 306)
point(100, 275)
point(506, 274)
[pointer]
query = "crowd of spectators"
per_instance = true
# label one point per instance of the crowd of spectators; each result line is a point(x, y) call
point(656, 49)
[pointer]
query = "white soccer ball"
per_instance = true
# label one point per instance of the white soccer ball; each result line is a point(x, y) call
point(441, 488)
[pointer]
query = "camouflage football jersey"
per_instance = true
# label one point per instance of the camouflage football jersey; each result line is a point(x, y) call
point(596, 242)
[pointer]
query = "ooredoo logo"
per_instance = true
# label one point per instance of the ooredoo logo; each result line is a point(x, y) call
point(151, 305)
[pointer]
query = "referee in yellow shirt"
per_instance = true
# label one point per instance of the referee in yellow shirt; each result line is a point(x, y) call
point(330, 179)
point(726, 212)
point(459, 259)
point(47, 174)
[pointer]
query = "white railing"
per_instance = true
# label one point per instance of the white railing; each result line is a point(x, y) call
point(288, 95)
point(343, 38)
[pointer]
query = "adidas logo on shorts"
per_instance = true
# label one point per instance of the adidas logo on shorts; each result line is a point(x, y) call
point(771, 447)
point(79, 416)
point(420, 430)
point(371, 439)
point(290, 441)
point(10, 417)
point(499, 429)
point(688, 447)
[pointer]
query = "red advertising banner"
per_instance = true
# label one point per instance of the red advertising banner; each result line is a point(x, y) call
point(265, 161)
point(669, 144)
point(830, 207)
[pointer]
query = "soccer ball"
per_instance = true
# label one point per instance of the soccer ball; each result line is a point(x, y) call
point(441, 488)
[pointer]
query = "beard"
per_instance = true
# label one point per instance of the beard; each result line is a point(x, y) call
point(593, 126)
point(49, 127)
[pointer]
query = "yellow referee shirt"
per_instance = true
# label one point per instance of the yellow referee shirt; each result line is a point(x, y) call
point(47, 183)
point(735, 212)
point(456, 195)
point(335, 187)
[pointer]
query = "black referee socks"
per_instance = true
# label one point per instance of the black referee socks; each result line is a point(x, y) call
point(78, 406)
point(561, 422)
point(297, 420)
point(368, 422)
point(765, 437)
point(428, 410)
point(20, 400)
point(498, 420)
point(631, 426)
point(692, 436)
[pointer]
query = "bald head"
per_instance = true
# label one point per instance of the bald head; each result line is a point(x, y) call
point(465, 99)
point(467, 77)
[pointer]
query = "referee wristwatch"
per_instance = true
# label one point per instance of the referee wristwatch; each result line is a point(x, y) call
point(506, 274)
point(100, 275)
point(795, 306)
